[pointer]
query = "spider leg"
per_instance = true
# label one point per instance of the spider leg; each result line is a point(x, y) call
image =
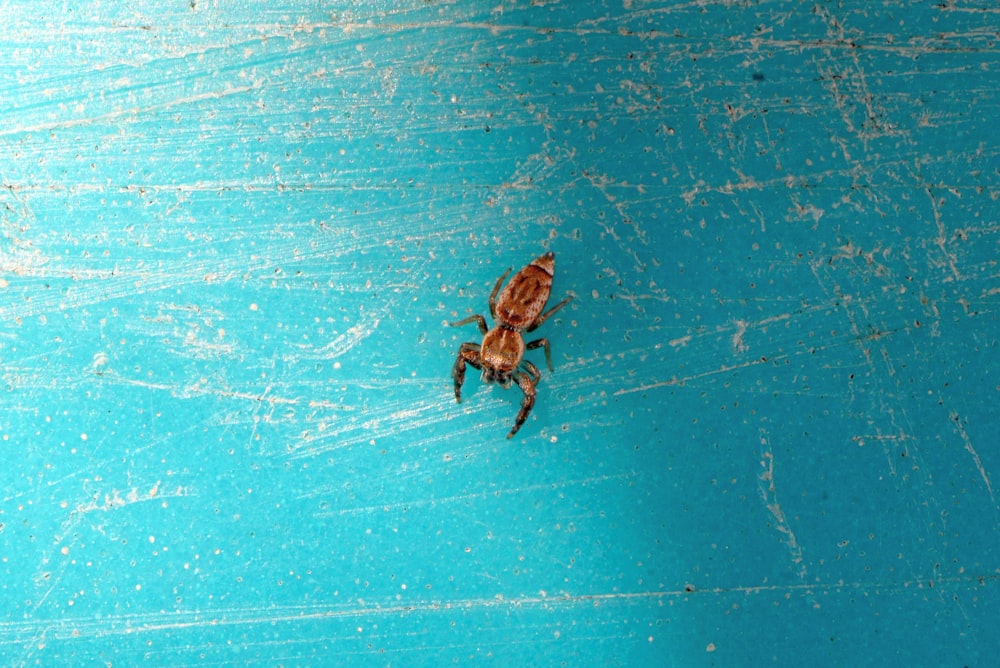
point(467, 353)
point(493, 295)
point(545, 316)
point(478, 319)
point(541, 343)
point(532, 370)
point(526, 381)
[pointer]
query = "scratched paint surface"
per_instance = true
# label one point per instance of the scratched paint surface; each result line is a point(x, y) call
point(230, 240)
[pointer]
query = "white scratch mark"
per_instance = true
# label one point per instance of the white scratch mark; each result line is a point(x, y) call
point(115, 500)
point(942, 238)
point(199, 388)
point(112, 500)
point(371, 423)
point(486, 493)
point(972, 451)
point(537, 168)
point(768, 494)
point(346, 341)
point(725, 368)
point(135, 624)
point(145, 623)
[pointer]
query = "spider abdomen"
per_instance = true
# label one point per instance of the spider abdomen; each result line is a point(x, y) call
point(524, 298)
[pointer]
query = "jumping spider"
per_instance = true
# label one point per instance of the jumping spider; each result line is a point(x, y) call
point(501, 354)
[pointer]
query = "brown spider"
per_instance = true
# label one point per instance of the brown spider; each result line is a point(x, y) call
point(501, 354)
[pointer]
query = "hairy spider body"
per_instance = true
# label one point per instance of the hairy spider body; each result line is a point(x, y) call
point(500, 356)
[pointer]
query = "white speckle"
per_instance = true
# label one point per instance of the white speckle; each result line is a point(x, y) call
point(83, 437)
point(682, 341)
point(100, 359)
point(253, 307)
point(738, 345)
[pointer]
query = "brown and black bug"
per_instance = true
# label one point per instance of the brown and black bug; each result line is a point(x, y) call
point(501, 354)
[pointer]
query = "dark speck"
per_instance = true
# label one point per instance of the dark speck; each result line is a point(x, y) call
point(758, 76)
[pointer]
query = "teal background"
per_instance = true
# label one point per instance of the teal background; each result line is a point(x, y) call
point(231, 237)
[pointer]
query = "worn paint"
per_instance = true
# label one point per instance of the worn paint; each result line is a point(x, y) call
point(228, 241)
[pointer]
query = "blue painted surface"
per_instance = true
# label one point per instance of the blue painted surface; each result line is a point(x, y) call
point(230, 240)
